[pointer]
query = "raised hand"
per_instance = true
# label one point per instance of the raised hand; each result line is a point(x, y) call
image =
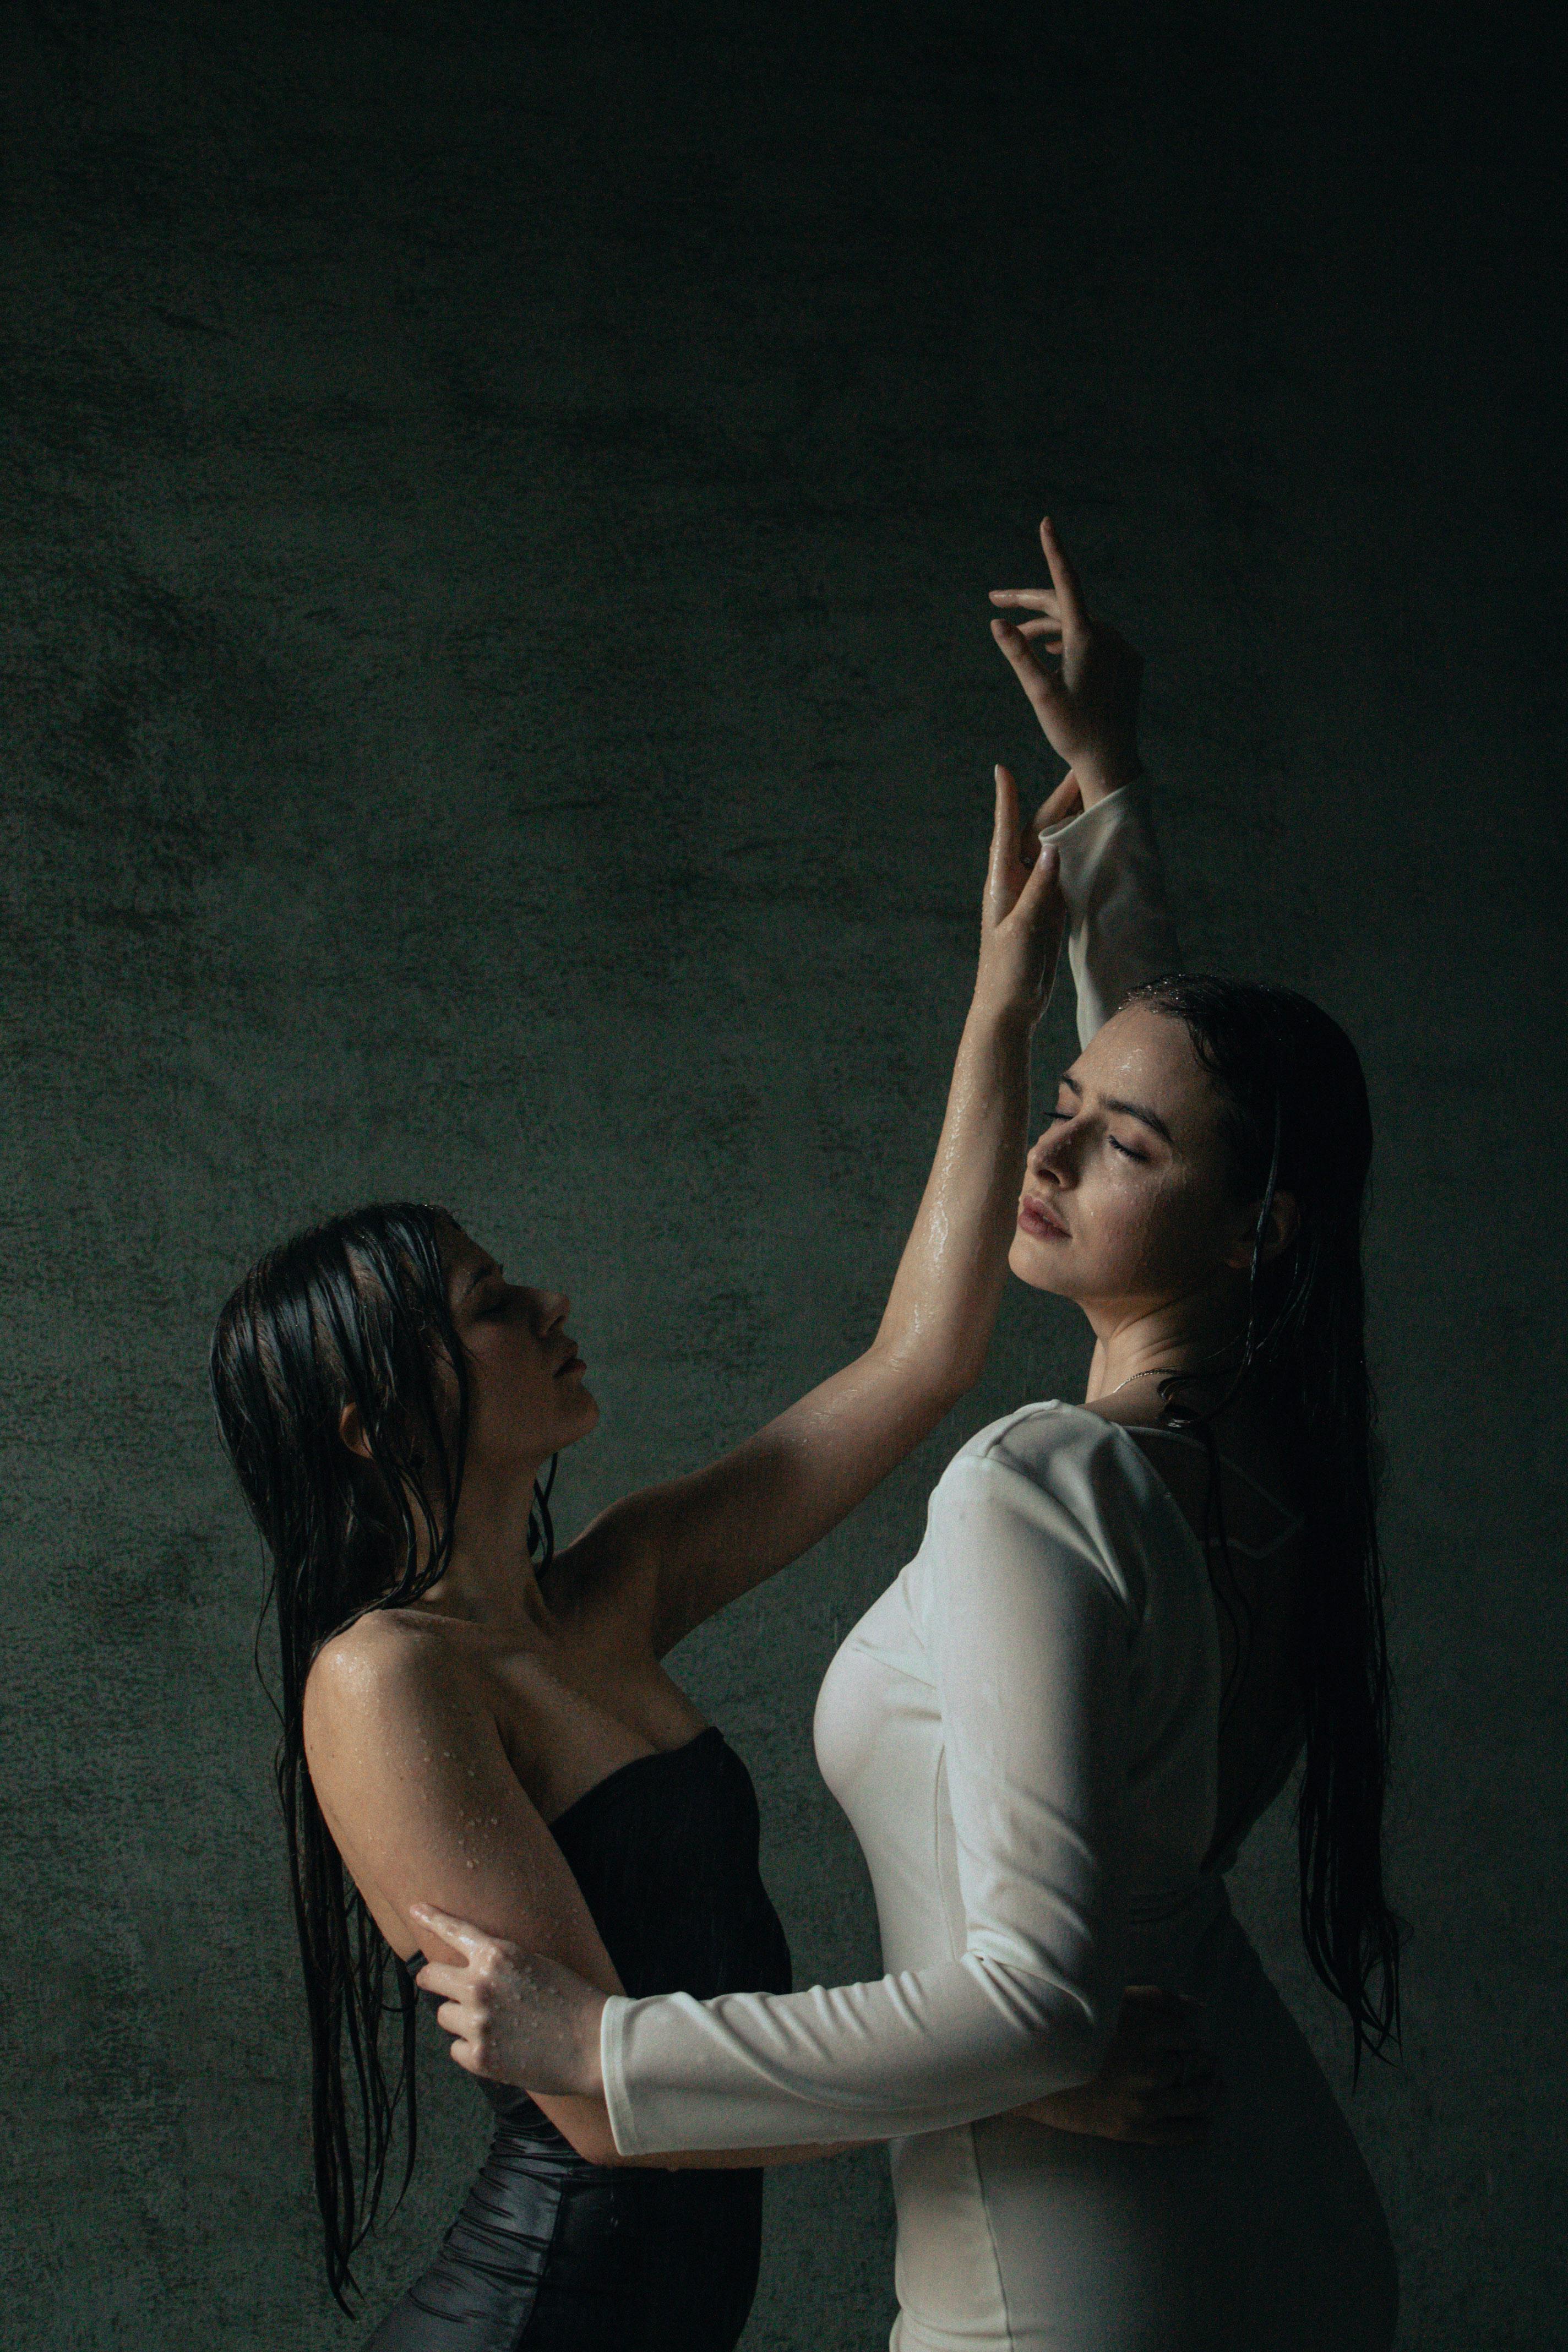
point(1158, 2086)
point(1023, 913)
point(1088, 708)
point(514, 2016)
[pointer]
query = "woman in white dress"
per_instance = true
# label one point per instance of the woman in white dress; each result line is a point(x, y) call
point(1126, 1622)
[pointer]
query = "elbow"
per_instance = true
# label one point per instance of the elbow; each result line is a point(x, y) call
point(589, 2134)
point(1061, 2029)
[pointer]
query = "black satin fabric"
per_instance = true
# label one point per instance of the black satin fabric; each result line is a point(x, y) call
point(554, 2254)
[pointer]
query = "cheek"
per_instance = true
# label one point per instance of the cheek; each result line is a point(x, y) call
point(503, 1383)
point(1134, 1235)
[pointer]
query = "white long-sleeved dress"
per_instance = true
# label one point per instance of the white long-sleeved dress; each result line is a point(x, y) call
point(1024, 1733)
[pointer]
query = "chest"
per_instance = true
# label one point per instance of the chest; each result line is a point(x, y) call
point(879, 1740)
point(572, 1711)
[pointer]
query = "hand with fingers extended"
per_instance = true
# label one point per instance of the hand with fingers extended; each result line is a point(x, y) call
point(1023, 913)
point(1158, 2086)
point(1087, 707)
point(514, 2016)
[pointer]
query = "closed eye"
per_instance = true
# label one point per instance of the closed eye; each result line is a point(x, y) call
point(1126, 1149)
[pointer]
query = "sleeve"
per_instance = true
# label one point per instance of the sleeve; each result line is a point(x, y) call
point(1029, 1639)
point(1119, 930)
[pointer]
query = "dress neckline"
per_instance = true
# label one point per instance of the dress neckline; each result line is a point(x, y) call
point(633, 1764)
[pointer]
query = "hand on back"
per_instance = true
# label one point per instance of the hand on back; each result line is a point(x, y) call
point(1158, 2087)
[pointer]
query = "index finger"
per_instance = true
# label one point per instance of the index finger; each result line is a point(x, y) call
point(1064, 579)
point(461, 1934)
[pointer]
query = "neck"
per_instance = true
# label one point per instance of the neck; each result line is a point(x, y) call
point(1136, 1340)
point(489, 1578)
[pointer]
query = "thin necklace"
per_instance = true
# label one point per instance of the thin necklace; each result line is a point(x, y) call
point(1153, 1373)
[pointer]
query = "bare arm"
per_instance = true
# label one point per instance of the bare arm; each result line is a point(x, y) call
point(409, 1767)
point(710, 1537)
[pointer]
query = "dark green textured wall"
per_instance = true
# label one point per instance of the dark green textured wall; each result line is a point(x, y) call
point(500, 708)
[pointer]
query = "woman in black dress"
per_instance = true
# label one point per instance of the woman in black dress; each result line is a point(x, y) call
point(476, 1721)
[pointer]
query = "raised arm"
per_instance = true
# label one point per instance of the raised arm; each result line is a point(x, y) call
point(705, 1538)
point(1119, 929)
point(699, 1542)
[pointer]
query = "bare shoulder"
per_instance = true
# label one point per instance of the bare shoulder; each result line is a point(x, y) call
point(389, 1664)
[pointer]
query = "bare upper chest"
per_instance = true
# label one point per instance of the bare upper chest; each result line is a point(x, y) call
point(574, 1705)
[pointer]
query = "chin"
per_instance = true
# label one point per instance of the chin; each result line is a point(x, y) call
point(585, 1419)
point(1038, 1265)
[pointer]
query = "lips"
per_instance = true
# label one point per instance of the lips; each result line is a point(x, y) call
point(573, 1363)
point(1034, 1217)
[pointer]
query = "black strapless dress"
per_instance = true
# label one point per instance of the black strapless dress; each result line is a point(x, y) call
point(551, 2254)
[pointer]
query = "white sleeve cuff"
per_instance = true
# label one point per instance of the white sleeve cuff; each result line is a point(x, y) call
point(1119, 930)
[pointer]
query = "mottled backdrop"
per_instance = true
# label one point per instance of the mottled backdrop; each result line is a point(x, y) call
point(496, 509)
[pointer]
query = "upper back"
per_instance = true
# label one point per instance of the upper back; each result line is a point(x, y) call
point(1250, 1531)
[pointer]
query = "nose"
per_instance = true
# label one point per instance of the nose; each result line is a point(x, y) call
point(1050, 1156)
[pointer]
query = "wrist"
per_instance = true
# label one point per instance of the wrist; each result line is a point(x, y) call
point(1101, 773)
point(998, 1010)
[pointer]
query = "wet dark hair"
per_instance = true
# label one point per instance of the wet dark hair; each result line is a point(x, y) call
point(352, 1312)
point(1296, 1120)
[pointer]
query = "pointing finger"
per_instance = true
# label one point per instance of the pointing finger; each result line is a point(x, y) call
point(1005, 833)
point(460, 1934)
point(1064, 579)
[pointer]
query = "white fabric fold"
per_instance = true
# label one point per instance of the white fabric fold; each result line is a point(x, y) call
point(1119, 930)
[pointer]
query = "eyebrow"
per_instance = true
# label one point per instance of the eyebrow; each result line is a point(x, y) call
point(1138, 1111)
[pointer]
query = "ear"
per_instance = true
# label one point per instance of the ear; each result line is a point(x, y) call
point(351, 1428)
point(1284, 1224)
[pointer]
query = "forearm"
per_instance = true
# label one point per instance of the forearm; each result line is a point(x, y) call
point(949, 1284)
point(910, 2054)
point(585, 2122)
point(1119, 930)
